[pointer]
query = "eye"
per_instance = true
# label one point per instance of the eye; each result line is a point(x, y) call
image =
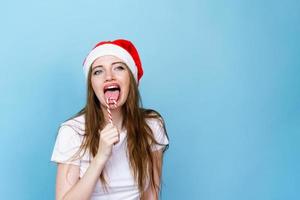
point(119, 67)
point(97, 72)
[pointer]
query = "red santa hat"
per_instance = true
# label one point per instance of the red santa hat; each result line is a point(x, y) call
point(120, 48)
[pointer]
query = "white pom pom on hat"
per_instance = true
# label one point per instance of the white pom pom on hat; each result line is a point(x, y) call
point(123, 49)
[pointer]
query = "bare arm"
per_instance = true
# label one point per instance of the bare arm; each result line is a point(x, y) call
point(68, 183)
point(70, 186)
point(151, 193)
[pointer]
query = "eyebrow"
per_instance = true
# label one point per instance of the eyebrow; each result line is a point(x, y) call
point(119, 62)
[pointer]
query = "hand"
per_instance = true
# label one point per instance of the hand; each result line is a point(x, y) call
point(108, 137)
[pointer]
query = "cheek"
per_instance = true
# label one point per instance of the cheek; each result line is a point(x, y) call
point(93, 85)
point(126, 82)
point(126, 92)
point(96, 86)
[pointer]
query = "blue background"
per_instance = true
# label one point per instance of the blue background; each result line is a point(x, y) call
point(224, 74)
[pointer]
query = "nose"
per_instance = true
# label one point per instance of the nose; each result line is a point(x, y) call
point(109, 75)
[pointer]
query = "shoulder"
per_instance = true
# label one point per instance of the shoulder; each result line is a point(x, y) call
point(72, 130)
point(154, 123)
point(68, 141)
point(77, 124)
point(153, 118)
point(157, 125)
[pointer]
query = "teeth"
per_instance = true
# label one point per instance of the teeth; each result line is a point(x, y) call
point(112, 87)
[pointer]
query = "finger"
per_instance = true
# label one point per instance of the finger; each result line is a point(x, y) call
point(110, 135)
point(105, 130)
point(114, 140)
point(117, 141)
point(109, 131)
point(107, 127)
point(107, 138)
point(109, 142)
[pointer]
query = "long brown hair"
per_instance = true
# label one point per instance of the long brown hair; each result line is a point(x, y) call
point(139, 135)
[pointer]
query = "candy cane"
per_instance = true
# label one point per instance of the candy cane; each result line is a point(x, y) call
point(109, 112)
point(115, 103)
point(108, 108)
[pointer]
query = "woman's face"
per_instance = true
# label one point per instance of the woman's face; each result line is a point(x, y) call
point(110, 80)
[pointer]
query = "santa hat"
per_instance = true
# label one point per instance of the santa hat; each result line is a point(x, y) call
point(120, 48)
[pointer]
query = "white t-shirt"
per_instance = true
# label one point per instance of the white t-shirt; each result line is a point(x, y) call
point(121, 184)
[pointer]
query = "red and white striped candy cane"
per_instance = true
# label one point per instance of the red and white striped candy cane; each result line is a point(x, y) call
point(115, 103)
point(109, 112)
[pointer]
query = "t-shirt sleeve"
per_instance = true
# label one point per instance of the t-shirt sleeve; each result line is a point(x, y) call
point(159, 135)
point(66, 146)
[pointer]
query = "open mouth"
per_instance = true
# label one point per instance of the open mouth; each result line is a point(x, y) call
point(112, 92)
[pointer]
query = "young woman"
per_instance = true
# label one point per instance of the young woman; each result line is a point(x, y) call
point(112, 149)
